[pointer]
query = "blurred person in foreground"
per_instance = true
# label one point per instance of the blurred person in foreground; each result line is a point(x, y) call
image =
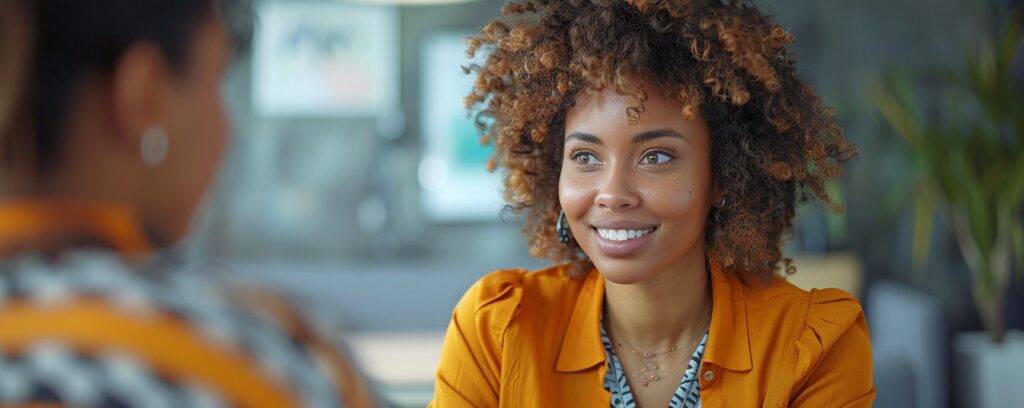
point(111, 129)
point(661, 148)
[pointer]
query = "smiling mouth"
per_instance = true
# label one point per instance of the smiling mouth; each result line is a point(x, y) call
point(623, 234)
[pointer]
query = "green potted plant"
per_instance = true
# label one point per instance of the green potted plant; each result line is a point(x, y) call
point(967, 161)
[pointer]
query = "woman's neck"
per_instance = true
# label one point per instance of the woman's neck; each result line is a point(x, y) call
point(670, 308)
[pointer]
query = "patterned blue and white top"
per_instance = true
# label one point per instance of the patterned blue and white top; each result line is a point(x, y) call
point(686, 396)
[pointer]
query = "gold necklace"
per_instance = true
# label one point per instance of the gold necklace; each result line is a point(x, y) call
point(652, 362)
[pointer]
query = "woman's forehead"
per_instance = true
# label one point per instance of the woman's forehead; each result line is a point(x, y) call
point(608, 104)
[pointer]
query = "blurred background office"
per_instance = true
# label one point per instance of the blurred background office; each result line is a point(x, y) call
point(357, 184)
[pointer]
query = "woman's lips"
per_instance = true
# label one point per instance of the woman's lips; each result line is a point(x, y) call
point(621, 243)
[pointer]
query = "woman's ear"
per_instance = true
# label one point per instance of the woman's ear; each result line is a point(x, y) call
point(139, 89)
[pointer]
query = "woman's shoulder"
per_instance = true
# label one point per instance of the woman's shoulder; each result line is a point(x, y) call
point(834, 329)
point(784, 300)
point(501, 295)
point(826, 324)
point(509, 285)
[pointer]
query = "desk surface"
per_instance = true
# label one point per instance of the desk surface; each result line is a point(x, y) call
point(401, 364)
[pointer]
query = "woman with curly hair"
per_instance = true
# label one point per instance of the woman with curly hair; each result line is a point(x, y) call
point(660, 149)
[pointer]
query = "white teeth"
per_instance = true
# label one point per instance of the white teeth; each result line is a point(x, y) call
point(622, 235)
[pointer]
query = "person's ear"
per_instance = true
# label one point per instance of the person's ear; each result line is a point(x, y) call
point(139, 86)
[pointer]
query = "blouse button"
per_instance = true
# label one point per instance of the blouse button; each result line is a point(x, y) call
point(709, 376)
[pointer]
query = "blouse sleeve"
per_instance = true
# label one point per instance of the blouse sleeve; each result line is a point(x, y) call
point(834, 367)
point(470, 369)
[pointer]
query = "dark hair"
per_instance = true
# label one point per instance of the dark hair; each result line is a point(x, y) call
point(74, 38)
point(773, 141)
point(14, 44)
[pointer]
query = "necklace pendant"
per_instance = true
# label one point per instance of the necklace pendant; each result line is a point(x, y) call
point(644, 383)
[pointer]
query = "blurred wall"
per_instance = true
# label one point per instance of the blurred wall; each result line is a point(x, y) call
point(295, 188)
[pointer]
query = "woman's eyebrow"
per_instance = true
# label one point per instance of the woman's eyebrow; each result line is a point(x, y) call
point(656, 134)
point(639, 138)
point(585, 137)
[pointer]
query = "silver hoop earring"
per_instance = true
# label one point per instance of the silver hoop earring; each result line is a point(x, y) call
point(719, 204)
point(562, 228)
point(154, 146)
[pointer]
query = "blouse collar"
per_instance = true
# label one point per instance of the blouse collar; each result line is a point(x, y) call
point(33, 224)
point(728, 343)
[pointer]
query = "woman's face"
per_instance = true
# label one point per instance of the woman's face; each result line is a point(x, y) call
point(197, 126)
point(636, 196)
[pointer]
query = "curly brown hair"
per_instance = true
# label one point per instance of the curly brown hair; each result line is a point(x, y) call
point(773, 142)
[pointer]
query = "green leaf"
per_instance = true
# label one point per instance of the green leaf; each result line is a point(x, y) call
point(923, 218)
point(980, 219)
point(986, 277)
point(1010, 40)
point(898, 111)
point(1015, 187)
point(892, 200)
point(994, 181)
point(1018, 249)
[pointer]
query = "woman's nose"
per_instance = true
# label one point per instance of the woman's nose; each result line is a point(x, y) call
point(616, 191)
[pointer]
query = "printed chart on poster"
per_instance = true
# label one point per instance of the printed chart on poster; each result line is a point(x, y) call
point(325, 60)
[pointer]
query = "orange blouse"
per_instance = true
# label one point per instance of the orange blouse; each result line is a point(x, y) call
point(519, 339)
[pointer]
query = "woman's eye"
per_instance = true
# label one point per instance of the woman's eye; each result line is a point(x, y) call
point(585, 159)
point(654, 158)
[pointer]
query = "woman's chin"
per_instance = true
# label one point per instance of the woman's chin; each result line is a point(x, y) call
point(622, 273)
